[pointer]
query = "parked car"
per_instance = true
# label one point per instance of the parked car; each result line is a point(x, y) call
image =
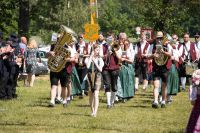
point(42, 65)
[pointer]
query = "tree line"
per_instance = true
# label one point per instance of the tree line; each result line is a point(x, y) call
point(43, 17)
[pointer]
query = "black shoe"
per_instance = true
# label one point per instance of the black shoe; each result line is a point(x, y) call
point(163, 105)
point(65, 105)
point(109, 106)
point(51, 105)
point(86, 93)
point(58, 101)
point(124, 101)
point(14, 95)
point(81, 97)
point(154, 105)
point(169, 101)
point(68, 101)
point(183, 90)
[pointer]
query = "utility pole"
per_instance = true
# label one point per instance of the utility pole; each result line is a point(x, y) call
point(68, 6)
point(97, 9)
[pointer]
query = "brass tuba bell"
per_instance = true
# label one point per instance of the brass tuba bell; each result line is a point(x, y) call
point(67, 36)
point(162, 58)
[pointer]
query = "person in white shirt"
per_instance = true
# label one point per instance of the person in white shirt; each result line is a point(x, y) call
point(126, 74)
point(94, 64)
point(160, 71)
point(81, 47)
point(197, 40)
point(64, 76)
point(173, 78)
point(190, 53)
point(141, 61)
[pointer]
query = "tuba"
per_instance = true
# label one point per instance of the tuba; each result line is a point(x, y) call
point(67, 37)
point(162, 58)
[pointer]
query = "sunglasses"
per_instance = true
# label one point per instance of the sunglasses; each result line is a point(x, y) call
point(159, 38)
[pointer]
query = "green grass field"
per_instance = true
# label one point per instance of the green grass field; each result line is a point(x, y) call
point(29, 113)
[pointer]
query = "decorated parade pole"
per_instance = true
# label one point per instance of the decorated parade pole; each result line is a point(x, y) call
point(91, 34)
point(92, 28)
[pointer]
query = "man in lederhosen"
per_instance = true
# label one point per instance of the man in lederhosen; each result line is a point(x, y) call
point(141, 49)
point(160, 50)
point(111, 72)
point(189, 53)
point(64, 76)
point(81, 47)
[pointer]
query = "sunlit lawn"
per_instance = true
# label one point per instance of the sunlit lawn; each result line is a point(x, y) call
point(29, 113)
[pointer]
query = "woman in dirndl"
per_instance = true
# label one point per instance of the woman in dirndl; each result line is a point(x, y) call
point(126, 74)
point(76, 84)
point(173, 78)
point(193, 125)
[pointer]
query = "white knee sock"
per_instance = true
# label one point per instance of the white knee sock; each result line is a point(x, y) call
point(53, 94)
point(108, 96)
point(96, 102)
point(183, 82)
point(113, 96)
point(156, 94)
point(32, 80)
point(136, 83)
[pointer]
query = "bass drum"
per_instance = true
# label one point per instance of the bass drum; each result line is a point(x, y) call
point(190, 68)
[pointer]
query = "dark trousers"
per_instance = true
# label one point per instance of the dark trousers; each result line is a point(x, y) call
point(141, 68)
point(81, 73)
point(12, 82)
point(3, 83)
point(110, 80)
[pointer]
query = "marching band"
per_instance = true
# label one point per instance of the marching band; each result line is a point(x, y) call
point(111, 63)
point(116, 66)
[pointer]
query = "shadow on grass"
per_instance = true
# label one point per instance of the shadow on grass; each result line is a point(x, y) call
point(83, 105)
point(13, 124)
point(44, 98)
point(75, 114)
point(40, 103)
point(178, 131)
point(146, 95)
point(139, 106)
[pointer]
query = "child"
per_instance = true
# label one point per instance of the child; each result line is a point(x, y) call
point(194, 120)
point(94, 63)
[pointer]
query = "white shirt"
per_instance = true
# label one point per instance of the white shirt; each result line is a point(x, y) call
point(143, 43)
point(187, 49)
point(130, 53)
point(81, 46)
point(180, 50)
point(198, 45)
point(97, 60)
point(175, 54)
point(72, 50)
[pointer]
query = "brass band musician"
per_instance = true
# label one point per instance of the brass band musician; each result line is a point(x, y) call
point(160, 53)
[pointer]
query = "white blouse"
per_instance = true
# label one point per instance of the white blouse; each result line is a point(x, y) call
point(130, 53)
point(98, 60)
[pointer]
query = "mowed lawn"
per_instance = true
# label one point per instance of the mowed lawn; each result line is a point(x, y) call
point(30, 113)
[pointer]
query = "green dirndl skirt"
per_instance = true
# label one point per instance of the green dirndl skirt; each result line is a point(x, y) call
point(76, 85)
point(172, 81)
point(126, 82)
